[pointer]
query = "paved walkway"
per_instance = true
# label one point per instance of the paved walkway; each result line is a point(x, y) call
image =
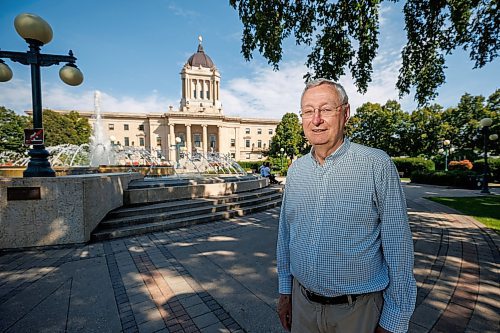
point(220, 277)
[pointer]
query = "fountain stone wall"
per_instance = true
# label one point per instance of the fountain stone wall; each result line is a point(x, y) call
point(57, 210)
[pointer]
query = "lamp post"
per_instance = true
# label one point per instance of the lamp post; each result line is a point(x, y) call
point(282, 150)
point(446, 145)
point(485, 128)
point(37, 32)
point(178, 141)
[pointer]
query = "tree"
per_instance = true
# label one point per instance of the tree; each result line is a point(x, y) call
point(379, 126)
point(289, 136)
point(62, 128)
point(493, 110)
point(345, 34)
point(464, 121)
point(427, 131)
point(12, 130)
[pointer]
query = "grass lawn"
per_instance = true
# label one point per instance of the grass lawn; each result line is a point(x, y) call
point(485, 209)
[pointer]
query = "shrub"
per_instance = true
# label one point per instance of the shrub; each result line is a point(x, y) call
point(454, 178)
point(407, 165)
point(494, 165)
point(460, 165)
point(247, 165)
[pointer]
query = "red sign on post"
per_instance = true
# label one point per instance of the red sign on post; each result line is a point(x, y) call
point(33, 136)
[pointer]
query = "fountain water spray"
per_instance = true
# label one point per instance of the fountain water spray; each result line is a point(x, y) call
point(100, 145)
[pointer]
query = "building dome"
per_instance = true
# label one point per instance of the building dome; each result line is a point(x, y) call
point(200, 58)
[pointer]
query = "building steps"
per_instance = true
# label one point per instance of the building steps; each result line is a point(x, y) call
point(140, 219)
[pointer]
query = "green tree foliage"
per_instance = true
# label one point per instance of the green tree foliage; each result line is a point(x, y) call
point(464, 124)
point(12, 128)
point(344, 35)
point(426, 131)
point(289, 136)
point(380, 126)
point(65, 128)
point(493, 111)
point(422, 132)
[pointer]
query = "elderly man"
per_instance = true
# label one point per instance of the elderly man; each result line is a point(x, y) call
point(344, 252)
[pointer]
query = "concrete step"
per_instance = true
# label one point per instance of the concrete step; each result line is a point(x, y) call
point(139, 219)
point(169, 206)
point(207, 207)
point(130, 230)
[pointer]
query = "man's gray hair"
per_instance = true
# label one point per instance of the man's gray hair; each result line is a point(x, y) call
point(338, 87)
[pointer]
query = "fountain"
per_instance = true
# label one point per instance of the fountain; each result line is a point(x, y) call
point(100, 145)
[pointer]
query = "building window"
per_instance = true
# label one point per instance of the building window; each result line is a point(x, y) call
point(125, 127)
point(111, 127)
point(270, 131)
point(259, 156)
point(269, 143)
point(233, 155)
point(247, 156)
point(201, 94)
point(259, 130)
point(247, 143)
point(141, 127)
point(208, 94)
point(259, 143)
point(141, 142)
point(158, 141)
point(247, 130)
point(194, 92)
point(197, 140)
point(126, 141)
point(233, 142)
point(212, 141)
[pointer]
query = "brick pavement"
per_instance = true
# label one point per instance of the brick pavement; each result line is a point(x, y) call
point(220, 277)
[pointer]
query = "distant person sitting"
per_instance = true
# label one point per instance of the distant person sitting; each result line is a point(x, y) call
point(265, 171)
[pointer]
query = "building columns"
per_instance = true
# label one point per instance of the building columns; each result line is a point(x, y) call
point(189, 146)
point(172, 143)
point(205, 138)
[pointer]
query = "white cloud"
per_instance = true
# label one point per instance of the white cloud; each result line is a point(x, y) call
point(269, 94)
point(16, 95)
point(264, 93)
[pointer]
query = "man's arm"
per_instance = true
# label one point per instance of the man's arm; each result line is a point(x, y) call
point(397, 245)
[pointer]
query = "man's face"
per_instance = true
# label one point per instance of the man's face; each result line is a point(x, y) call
point(321, 130)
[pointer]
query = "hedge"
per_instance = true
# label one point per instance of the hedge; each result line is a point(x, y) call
point(247, 165)
point(494, 165)
point(407, 165)
point(455, 178)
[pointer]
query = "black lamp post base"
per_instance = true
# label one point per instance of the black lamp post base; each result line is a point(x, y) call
point(39, 165)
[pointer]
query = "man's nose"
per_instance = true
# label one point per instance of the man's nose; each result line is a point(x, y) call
point(317, 119)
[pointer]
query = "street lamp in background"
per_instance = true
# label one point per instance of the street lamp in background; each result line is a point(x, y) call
point(178, 150)
point(485, 128)
point(282, 150)
point(37, 32)
point(446, 148)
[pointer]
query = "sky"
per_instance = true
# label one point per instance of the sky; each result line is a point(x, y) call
point(133, 52)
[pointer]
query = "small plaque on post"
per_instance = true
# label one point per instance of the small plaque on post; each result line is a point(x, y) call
point(33, 136)
point(23, 193)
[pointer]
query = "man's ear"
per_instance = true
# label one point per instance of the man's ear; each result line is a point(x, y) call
point(347, 113)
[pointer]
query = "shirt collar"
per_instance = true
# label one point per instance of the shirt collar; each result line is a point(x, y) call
point(339, 152)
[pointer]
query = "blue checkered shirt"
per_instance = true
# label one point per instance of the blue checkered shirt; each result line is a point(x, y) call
point(344, 230)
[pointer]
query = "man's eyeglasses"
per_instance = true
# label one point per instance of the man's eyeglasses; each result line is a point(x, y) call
point(325, 112)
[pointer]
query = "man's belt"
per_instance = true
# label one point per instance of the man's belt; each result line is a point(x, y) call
point(343, 299)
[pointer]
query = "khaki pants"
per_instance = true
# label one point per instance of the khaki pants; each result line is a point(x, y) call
point(359, 317)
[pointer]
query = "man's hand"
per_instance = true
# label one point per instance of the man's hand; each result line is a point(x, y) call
point(285, 311)
point(380, 329)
